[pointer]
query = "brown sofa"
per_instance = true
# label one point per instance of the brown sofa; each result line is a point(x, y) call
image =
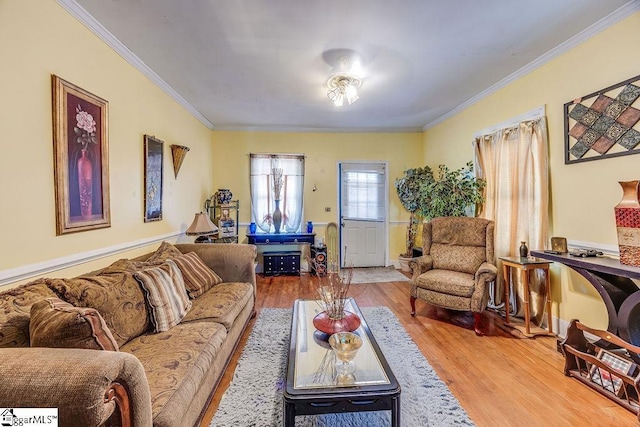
point(156, 378)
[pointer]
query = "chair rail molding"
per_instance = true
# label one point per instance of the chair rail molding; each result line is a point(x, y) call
point(36, 269)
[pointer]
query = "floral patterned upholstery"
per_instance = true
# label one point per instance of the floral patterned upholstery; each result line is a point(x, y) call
point(456, 266)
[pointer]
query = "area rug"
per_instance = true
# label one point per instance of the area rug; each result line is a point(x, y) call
point(377, 274)
point(254, 397)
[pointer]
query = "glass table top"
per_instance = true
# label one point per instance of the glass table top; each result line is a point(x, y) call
point(316, 365)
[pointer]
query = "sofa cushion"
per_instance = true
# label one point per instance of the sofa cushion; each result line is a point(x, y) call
point(15, 309)
point(55, 323)
point(222, 303)
point(165, 293)
point(117, 296)
point(164, 252)
point(198, 278)
point(128, 265)
point(175, 363)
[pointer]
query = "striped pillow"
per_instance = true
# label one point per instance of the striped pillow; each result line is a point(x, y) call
point(165, 293)
point(56, 323)
point(198, 278)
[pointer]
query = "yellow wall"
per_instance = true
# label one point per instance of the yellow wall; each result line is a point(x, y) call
point(323, 151)
point(37, 39)
point(582, 195)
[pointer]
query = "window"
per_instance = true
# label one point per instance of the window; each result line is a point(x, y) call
point(363, 191)
point(288, 196)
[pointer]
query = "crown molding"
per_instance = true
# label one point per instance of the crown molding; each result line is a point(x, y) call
point(99, 30)
point(38, 269)
point(248, 128)
point(608, 21)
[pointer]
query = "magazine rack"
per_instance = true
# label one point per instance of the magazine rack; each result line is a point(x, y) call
point(582, 362)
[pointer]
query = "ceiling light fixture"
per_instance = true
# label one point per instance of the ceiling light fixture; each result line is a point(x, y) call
point(344, 82)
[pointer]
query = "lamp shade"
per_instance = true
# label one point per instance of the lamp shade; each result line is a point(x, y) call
point(201, 226)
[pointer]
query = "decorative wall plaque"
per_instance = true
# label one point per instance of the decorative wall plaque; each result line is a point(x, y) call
point(603, 124)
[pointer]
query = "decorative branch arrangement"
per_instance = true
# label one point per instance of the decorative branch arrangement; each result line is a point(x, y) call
point(332, 289)
point(277, 182)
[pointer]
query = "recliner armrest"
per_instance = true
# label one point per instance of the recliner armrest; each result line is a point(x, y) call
point(420, 265)
point(488, 270)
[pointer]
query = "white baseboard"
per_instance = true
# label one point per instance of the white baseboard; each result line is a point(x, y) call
point(37, 269)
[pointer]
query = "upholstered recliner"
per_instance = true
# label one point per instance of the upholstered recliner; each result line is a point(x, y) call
point(456, 266)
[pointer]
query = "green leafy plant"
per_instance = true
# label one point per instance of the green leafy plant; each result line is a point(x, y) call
point(451, 193)
point(409, 189)
point(426, 196)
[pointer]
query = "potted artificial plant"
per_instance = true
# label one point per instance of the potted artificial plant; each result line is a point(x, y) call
point(425, 196)
point(451, 193)
point(409, 188)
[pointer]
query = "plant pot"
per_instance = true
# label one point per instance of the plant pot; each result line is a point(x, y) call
point(404, 263)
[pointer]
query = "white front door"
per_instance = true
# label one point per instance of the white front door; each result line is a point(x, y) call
point(363, 220)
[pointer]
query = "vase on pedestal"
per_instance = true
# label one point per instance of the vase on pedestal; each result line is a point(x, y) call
point(277, 218)
point(85, 184)
point(628, 223)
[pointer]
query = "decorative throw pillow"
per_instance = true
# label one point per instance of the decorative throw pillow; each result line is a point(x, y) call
point(127, 265)
point(198, 277)
point(165, 251)
point(117, 297)
point(166, 295)
point(55, 323)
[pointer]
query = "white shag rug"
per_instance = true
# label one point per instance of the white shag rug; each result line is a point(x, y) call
point(254, 397)
point(377, 275)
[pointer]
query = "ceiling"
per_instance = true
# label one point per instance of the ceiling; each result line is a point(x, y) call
point(263, 65)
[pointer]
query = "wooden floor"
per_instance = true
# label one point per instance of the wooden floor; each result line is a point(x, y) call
point(499, 379)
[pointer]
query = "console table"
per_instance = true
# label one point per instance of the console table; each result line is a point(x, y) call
point(613, 282)
point(276, 260)
point(281, 238)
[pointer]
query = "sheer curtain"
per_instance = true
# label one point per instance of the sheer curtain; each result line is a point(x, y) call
point(514, 162)
point(262, 195)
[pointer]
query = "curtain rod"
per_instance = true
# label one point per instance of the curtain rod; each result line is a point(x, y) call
point(536, 113)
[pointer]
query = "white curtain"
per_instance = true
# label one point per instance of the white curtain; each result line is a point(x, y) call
point(514, 163)
point(263, 202)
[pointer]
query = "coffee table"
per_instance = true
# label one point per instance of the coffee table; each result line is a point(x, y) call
point(312, 385)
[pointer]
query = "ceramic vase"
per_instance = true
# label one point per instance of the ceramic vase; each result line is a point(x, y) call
point(277, 218)
point(628, 223)
point(223, 196)
point(309, 227)
point(85, 184)
point(524, 251)
point(346, 322)
point(253, 228)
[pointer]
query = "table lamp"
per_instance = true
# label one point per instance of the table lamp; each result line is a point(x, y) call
point(202, 227)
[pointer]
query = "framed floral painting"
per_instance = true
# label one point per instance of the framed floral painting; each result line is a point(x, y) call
point(81, 164)
point(153, 148)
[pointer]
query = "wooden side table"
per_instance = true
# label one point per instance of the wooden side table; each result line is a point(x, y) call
point(525, 265)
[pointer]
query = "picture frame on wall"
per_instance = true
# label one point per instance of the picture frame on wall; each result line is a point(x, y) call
point(153, 166)
point(608, 379)
point(603, 124)
point(81, 158)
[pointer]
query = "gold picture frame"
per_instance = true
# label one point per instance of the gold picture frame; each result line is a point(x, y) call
point(81, 158)
point(153, 177)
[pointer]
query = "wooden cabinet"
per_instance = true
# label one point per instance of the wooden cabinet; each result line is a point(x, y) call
point(225, 217)
point(285, 262)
